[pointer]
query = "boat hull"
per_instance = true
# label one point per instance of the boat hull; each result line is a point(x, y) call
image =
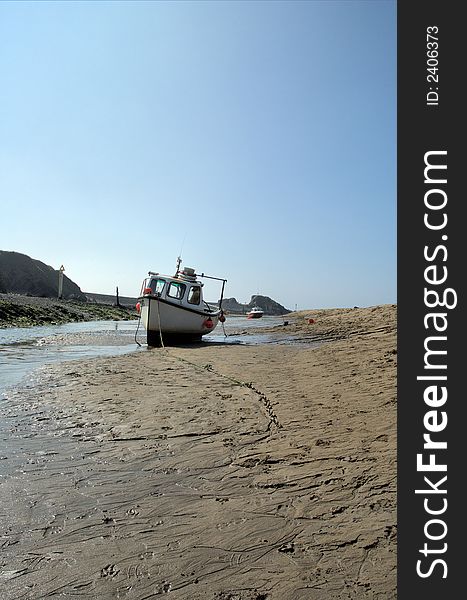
point(254, 315)
point(174, 322)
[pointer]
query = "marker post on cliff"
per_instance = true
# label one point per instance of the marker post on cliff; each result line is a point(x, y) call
point(60, 281)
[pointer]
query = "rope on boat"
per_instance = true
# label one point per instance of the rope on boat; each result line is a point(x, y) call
point(160, 328)
point(136, 332)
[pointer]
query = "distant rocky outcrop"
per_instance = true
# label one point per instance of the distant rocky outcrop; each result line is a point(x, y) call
point(21, 274)
point(269, 306)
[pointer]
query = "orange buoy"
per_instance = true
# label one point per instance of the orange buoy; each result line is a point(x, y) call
point(222, 319)
point(138, 307)
point(311, 321)
point(208, 323)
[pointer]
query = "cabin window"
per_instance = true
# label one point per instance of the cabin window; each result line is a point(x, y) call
point(176, 290)
point(157, 285)
point(194, 295)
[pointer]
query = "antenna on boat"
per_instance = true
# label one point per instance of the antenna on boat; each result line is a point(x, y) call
point(179, 262)
point(182, 244)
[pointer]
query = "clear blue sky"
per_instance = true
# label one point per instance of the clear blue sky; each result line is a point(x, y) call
point(257, 138)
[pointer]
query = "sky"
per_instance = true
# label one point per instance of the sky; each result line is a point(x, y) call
point(255, 139)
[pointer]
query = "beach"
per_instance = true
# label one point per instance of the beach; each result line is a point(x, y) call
point(217, 472)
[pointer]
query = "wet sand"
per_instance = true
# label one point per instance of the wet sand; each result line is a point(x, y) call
point(223, 472)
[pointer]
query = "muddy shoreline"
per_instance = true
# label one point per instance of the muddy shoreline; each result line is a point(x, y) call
point(216, 472)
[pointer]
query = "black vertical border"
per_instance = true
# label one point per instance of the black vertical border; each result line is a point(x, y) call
point(420, 129)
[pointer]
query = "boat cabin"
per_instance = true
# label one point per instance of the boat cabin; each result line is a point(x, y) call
point(183, 288)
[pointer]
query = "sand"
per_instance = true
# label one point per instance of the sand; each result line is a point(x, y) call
point(227, 472)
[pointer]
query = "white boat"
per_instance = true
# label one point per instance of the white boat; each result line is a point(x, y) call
point(255, 313)
point(172, 308)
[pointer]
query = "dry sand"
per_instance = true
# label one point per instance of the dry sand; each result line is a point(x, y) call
point(216, 472)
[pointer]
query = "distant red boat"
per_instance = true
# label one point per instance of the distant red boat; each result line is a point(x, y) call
point(255, 313)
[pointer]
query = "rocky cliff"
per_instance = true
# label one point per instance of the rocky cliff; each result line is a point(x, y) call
point(269, 306)
point(21, 274)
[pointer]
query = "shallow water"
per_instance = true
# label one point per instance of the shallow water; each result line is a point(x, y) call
point(23, 350)
point(236, 330)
